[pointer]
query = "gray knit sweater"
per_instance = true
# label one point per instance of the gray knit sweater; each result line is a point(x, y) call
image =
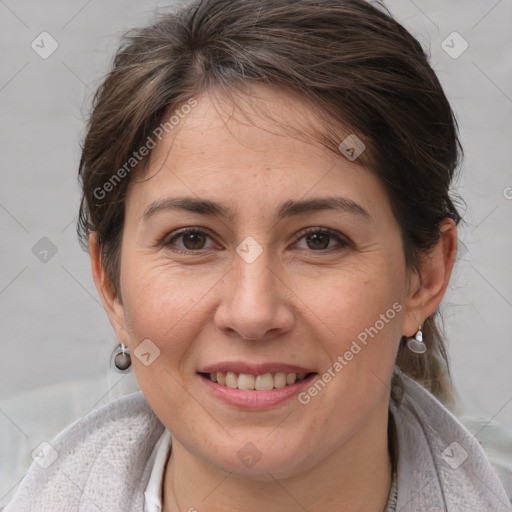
point(102, 462)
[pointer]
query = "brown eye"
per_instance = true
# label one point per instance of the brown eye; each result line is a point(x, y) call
point(191, 240)
point(320, 239)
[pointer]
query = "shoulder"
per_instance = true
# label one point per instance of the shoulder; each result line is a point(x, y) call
point(496, 441)
point(106, 450)
point(438, 451)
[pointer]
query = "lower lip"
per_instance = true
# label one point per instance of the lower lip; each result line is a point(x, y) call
point(252, 399)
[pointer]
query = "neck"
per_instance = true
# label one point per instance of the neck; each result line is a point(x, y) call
point(356, 477)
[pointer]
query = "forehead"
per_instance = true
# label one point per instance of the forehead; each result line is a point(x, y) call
point(259, 120)
point(258, 144)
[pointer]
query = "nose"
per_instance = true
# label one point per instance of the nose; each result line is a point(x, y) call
point(255, 301)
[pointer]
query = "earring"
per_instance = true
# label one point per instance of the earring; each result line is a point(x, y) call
point(415, 344)
point(121, 359)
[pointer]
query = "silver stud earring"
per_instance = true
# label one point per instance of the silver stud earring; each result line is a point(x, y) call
point(121, 359)
point(416, 344)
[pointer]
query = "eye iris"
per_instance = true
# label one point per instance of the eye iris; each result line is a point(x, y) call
point(316, 237)
point(195, 238)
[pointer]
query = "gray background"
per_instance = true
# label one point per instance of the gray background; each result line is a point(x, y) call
point(56, 340)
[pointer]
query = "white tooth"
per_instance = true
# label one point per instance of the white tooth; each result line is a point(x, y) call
point(245, 381)
point(291, 378)
point(280, 380)
point(231, 380)
point(300, 376)
point(221, 378)
point(213, 377)
point(264, 382)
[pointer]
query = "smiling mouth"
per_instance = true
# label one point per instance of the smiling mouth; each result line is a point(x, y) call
point(265, 382)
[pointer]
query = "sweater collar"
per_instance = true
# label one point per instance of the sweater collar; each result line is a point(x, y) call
point(441, 465)
point(104, 461)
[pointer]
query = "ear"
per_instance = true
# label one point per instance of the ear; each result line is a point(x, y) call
point(428, 285)
point(109, 296)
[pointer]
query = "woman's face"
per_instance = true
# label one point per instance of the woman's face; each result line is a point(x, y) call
point(250, 291)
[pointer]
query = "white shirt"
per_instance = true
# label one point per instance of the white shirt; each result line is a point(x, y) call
point(153, 492)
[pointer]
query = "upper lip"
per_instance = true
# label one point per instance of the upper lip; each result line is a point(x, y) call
point(254, 369)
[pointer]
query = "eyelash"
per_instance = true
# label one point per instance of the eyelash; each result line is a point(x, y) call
point(308, 231)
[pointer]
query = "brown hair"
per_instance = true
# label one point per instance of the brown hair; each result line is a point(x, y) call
point(359, 70)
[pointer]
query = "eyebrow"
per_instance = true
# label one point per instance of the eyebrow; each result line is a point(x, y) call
point(288, 209)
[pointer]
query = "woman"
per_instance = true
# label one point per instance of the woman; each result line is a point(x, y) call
point(266, 202)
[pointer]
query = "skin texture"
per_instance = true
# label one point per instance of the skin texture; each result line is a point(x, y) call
point(298, 303)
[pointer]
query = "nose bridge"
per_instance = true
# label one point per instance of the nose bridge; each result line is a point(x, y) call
point(254, 279)
point(252, 302)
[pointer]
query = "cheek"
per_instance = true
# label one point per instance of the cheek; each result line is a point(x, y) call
point(163, 307)
point(162, 304)
point(359, 303)
point(363, 311)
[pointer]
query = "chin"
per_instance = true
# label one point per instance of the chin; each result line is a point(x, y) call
point(261, 462)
